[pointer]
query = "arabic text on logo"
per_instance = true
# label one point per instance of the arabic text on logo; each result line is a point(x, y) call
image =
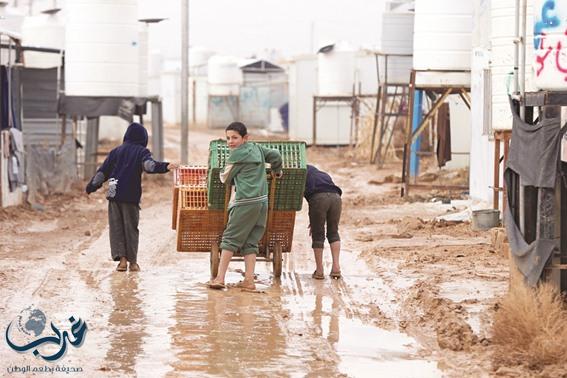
point(31, 324)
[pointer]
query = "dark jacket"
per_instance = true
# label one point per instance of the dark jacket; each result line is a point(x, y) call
point(319, 182)
point(124, 165)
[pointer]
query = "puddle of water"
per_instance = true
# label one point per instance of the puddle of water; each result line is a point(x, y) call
point(360, 349)
point(366, 350)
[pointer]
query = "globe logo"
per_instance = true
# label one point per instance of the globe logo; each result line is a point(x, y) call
point(31, 321)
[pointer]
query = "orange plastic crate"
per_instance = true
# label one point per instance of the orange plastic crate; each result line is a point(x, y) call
point(190, 176)
point(195, 176)
point(281, 230)
point(198, 230)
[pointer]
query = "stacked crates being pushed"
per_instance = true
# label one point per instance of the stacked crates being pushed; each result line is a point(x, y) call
point(288, 193)
point(198, 228)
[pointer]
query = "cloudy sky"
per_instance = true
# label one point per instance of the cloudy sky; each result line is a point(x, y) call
point(246, 27)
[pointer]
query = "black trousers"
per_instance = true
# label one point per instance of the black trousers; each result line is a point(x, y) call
point(324, 208)
point(123, 219)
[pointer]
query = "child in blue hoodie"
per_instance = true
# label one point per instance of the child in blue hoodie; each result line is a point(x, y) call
point(123, 169)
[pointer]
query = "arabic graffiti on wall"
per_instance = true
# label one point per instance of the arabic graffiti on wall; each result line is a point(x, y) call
point(550, 36)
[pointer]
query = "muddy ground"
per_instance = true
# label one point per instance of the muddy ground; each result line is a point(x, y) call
point(416, 300)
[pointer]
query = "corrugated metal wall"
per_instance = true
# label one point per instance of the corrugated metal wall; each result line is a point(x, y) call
point(50, 147)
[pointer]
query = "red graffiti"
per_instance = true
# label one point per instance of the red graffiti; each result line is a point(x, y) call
point(557, 62)
point(541, 59)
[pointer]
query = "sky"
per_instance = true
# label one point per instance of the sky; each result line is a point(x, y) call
point(254, 27)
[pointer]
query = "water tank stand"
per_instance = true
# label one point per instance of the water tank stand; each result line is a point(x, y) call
point(383, 117)
point(91, 147)
point(439, 94)
point(92, 107)
point(501, 137)
point(354, 101)
point(157, 127)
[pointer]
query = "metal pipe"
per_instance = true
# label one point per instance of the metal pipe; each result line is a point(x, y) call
point(523, 58)
point(516, 45)
point(184, 81)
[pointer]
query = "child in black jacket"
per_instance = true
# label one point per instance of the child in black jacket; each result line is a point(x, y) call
point(123, 169)
point(325, 206)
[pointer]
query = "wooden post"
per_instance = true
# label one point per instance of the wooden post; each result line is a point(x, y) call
point(375, 124)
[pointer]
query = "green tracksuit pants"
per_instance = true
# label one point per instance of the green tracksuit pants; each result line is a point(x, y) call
point(245, 228)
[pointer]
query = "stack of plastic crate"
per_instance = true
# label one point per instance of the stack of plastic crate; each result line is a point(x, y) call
point(197, 226)
point(289, 188)
point(186, 177)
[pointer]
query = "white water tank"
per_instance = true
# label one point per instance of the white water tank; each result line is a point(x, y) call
point(397, 32)
point(198, 61)
point(224, 75)
point(11, 18)
point(45, 30)
point(442, 34)
point(302, 88)
point(502, 19)
point(396, 39)
point(199, 56)
point(549, 41)
point(102, 48)
point(336, 70)
point(143, 74)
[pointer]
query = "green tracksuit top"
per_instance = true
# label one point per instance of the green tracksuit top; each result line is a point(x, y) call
point(246, 166)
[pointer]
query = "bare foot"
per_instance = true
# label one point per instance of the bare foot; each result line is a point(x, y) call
point(122, 265)
point(134, 267)
point(246, 285)
point(217, 285)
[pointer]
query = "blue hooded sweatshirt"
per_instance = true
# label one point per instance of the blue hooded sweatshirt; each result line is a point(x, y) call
point(124, 165)
point(319, 182)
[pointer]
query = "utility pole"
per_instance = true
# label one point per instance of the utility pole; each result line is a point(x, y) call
point(184, 81)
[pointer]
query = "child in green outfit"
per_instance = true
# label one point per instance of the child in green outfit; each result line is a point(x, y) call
point(248, 212)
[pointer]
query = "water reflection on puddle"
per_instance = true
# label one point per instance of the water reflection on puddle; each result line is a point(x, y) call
point(371, 351)
point(360, 350)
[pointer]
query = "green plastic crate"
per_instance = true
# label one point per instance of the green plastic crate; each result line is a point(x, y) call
point(289, 190)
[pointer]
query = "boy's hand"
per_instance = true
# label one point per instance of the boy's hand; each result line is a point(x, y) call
point(172, 166)
point(90, 188)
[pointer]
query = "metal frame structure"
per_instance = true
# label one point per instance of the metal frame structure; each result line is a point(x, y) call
point(380, 115)
point(354, 101)
point(8, 198)
point(443, 91)
point(500, 137)
point(91, 144)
